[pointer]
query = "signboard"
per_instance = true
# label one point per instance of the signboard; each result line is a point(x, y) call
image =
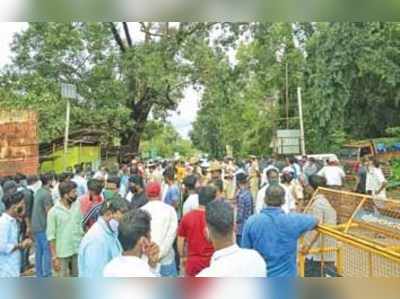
point(68, 91)
point(288, 142)
point(19, 151)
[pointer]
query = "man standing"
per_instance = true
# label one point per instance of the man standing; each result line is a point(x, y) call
point(100, 245)
point(244, 204)
point(135, 239)
point(333, 173)
point(164, 224)
point(274, 234)
point(41, 206)
point(376, 182)
point(90, 204)
point(322, 264)
point(172, 195)
point(80, 181)
point(192, 201)
point(136, 196)
point(254, 176)
point(361, 183)
point(228, 259)
point(192, 232)
point(61, 232)
point(10, 245)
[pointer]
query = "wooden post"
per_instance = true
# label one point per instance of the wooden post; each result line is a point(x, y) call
point(302, 139)
point(67, 119)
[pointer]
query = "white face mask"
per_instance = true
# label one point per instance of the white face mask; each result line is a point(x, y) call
point(114, 225)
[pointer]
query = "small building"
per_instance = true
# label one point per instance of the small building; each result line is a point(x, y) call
point(84, 148)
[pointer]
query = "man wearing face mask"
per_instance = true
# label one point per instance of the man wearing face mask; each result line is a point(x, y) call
point(61, 232)
point(10, 243)
point(100, 244)
point(140, 256)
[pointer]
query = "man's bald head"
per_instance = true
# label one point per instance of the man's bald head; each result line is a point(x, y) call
point(275, 196)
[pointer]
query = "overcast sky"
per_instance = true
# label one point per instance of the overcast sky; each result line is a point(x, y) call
point(181, 119)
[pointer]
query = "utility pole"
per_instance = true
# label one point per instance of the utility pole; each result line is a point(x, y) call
point(302, 140)
point(68, 91)
point(287, 94)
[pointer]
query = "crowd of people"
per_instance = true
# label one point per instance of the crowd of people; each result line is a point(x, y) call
point(172, 218)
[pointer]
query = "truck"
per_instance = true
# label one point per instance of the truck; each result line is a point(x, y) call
point(383, 149)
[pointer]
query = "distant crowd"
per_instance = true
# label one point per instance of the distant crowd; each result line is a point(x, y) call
point(173, 218)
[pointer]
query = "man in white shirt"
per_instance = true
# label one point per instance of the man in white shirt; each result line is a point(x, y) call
point(140, 256)
point(80, 181)
point(376, 182)
point(273, 178)
point(333, 173)
point(228, 259)
point(192, 202)
point(164, 225)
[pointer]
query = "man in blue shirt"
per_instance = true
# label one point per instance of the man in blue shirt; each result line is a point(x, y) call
point(244, 203)
point(10, 243)
point(100, 245)
point(275, 234)
point(172, 195)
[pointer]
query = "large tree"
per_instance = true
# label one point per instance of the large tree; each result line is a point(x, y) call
point(120, 80)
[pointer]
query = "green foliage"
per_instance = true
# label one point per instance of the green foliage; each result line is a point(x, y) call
point(163, 139)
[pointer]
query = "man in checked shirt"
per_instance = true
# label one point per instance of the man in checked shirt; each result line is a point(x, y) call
point(244, 204)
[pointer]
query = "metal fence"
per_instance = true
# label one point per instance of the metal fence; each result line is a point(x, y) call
point(365, 242)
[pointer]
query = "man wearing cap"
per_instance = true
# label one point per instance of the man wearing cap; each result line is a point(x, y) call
point(274, 234)
point(164, 224)
point(333, 173)
point(244, 204)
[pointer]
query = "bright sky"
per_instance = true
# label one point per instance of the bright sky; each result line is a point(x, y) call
point(181, 119)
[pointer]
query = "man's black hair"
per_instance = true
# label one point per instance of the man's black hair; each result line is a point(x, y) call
point(134, 225)
point(78, 169)
point(270, 171)
point(95, 186)
point(218, 184)
point(66, 187)
point(275, 196)
point(220, 217)
point(317, 181)
point(190, 182)
point(12, 199)
point(206, 195)
point(169, 173)
point(137, 180)
point(45, 178)
point(114, 204)
point(32, 179)
point(114, 180)
point(19, 177)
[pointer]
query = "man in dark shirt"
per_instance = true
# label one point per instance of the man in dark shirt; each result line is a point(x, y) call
point(41, 206)
point(136, 196)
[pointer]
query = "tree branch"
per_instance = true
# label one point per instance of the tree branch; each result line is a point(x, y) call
point(128, 36)
point(117, 37)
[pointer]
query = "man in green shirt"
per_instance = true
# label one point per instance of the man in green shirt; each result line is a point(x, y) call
point(64, 232)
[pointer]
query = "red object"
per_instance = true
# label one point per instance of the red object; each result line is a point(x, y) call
point(153, 189)
point(200, 250)
point(87, 202)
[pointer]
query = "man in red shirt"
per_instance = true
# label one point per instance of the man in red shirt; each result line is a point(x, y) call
point(90, 204)
point(192, 233)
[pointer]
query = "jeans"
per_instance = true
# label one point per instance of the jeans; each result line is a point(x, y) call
point(169, 270)
point(42, 255)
